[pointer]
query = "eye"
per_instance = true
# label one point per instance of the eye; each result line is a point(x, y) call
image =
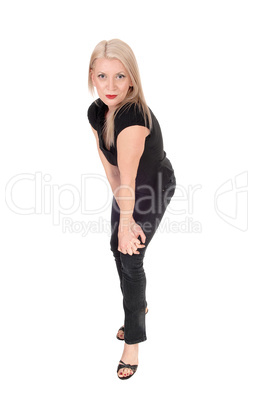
point(101, 76)
point(121, 76)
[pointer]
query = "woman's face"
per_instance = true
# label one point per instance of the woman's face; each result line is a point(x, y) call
point(111, 80)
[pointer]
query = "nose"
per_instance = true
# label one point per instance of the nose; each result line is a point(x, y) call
point(111, 84)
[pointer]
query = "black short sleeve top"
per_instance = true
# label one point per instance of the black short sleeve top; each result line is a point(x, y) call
point(153, 159)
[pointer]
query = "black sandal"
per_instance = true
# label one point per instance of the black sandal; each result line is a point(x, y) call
point(122, 329)
point(131, 367)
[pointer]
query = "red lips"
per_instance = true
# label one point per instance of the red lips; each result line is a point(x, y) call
point(111, 96)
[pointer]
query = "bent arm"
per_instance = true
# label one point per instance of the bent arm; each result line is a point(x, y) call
point(130, 147)
point(111, 171)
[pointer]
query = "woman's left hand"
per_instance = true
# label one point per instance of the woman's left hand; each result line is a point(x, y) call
point(128, 241)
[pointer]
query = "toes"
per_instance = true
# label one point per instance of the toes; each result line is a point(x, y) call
point(125, 372)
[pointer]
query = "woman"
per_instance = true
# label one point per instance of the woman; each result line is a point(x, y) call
point(142, 179)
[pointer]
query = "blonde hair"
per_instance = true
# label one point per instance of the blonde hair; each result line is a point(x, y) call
point(117, 49)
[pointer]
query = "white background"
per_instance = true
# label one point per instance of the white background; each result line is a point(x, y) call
point(61, 304)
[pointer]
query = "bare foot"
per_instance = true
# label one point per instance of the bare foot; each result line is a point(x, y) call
point(120, 334)
point(129, 356)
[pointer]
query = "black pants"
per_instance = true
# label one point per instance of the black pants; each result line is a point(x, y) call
point(148, 214)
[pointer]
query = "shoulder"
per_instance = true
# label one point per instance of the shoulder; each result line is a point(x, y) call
point(129, 115)
point(93, 112)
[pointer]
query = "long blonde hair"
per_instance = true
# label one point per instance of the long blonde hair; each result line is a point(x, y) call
point(117, 49)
